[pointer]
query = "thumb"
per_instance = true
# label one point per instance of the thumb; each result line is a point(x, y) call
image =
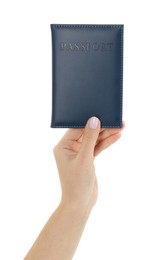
point(90, 135)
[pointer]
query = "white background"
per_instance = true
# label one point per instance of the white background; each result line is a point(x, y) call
point(127, 220)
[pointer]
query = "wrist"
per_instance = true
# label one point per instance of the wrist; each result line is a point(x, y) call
point(75, 208)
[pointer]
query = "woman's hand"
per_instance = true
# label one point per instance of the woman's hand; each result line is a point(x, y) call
point(75, 155)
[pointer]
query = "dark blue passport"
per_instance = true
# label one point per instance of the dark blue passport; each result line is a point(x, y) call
point(87, 74)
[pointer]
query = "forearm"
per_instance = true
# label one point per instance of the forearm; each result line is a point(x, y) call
point(60, 236)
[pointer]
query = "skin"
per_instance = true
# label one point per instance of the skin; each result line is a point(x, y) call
point(74, 155)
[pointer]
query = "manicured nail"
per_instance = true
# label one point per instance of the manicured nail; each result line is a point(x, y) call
point(94, 122)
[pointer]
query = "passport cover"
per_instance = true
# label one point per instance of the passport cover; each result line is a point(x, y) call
point(87, 74)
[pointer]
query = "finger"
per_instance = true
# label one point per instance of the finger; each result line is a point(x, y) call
point(81, 137)
point(105, 132)
point(109, 131)
point(89, 139)
point(106, 143)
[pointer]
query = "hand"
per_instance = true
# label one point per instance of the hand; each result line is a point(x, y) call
point(75, 155)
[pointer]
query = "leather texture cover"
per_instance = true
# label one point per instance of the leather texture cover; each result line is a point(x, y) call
point(87, 74)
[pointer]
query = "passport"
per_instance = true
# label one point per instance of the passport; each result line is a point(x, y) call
point(87, 74)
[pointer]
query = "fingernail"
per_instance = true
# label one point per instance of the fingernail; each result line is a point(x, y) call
point(94, 122)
